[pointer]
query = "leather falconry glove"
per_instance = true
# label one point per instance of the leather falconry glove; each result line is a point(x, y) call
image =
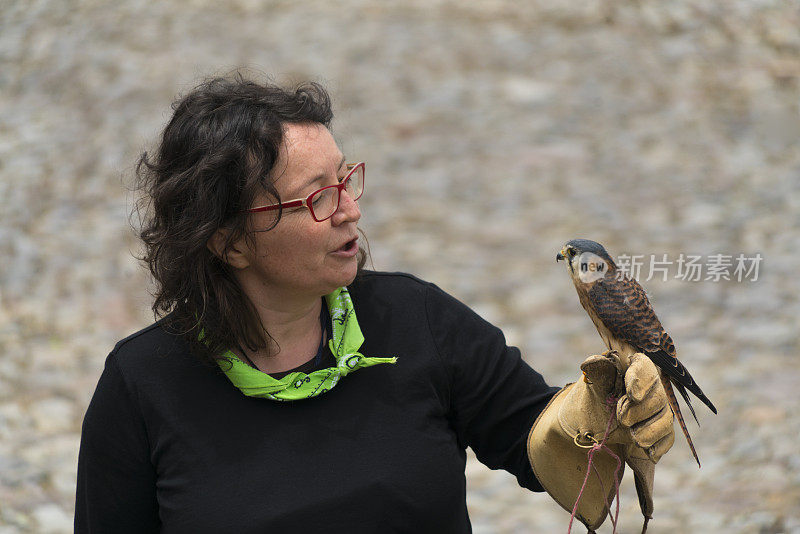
point(577, 417)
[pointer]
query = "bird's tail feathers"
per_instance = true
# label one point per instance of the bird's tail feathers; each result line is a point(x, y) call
point(706, 401)
point(685, 395)
point(676, 411)
point(670, 365)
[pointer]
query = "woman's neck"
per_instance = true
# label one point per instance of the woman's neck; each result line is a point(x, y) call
point(295, 332)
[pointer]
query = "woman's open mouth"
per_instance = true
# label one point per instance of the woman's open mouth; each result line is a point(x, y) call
point(348, 250)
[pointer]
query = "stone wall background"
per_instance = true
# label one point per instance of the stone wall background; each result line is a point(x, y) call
point(493, 132)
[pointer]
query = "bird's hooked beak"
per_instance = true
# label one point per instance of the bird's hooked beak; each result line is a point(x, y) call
point(563, 255)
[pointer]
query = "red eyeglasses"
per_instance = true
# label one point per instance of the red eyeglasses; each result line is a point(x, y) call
point(324, 202)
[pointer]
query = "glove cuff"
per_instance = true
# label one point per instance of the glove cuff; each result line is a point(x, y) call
point(560, 464)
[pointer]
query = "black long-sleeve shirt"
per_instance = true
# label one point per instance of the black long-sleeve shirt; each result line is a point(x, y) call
point(170, 445)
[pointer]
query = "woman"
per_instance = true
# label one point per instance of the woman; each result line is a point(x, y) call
point(285, 387)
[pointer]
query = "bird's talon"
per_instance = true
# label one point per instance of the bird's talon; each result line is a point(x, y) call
point(586, 378)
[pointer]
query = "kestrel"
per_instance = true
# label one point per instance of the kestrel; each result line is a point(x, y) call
point(624, 318)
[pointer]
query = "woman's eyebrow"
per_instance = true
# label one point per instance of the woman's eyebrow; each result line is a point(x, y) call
point(320, 177)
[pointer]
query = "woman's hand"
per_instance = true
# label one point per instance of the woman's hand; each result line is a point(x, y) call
point(630, 410)
point(642, 417)
point(644, 410)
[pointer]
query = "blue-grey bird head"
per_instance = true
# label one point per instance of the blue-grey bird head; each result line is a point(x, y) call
point(576, 250)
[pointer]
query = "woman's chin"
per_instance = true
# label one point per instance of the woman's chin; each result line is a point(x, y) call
point(350, 274)
point(342, 276)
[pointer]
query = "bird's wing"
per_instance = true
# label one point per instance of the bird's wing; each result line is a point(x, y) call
point(622, 305)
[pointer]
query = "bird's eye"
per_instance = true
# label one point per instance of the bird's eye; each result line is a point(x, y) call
point(570, 252)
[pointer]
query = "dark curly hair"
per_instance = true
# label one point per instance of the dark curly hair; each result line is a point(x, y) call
point(214, 158)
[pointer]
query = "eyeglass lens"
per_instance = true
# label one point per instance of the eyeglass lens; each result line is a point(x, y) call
point(326, 202)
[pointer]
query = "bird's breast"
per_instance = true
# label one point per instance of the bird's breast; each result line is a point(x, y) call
point(613, 342)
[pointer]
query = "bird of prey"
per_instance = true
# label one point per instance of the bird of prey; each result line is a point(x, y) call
point(624, 318)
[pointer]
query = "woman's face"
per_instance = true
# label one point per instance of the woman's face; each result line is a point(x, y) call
point(299, 256)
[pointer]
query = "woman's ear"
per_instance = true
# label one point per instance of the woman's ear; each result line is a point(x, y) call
point(236, 253)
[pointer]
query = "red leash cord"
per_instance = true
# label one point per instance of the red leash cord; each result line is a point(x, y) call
point(611, 402)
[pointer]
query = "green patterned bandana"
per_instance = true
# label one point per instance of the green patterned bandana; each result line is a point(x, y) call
point(347, 339)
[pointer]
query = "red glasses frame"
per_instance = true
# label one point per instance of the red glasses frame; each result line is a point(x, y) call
point(351, 169)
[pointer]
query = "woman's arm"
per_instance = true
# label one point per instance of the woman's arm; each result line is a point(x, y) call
point(495, 396)
point(116, 489)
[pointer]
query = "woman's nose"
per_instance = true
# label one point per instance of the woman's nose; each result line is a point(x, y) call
point(348, 210)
